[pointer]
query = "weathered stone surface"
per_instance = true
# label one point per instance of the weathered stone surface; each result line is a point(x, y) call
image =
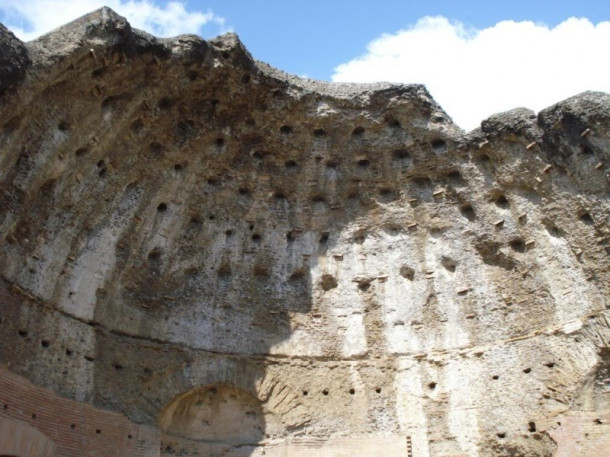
point(189, 237)
point(13, 59)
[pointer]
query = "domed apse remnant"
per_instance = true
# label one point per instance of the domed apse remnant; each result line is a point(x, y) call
point(202, 255)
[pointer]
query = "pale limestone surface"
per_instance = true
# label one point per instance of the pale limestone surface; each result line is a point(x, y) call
point(198, 237)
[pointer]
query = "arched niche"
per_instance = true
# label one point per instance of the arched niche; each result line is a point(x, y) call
point(215, 413)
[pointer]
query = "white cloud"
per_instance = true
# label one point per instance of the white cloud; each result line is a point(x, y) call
point(475, 73)
point(29, 19)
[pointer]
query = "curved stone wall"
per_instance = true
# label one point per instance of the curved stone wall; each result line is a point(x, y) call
point(188, 233)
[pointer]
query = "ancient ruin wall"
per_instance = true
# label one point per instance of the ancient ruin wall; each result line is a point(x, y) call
point(255, 264)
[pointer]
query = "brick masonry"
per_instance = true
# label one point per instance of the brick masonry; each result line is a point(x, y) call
point(77, 429)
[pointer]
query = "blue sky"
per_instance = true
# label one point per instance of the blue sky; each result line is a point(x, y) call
point(313, 36)
point(475, 57)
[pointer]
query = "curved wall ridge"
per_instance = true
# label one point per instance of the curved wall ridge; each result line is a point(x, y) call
point(191, 239)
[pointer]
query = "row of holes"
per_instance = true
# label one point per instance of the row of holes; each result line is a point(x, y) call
point(398, 154)
point(518, 245)
point(327, 281)
point(351, 391)
point(437, 144)
point(291, 165)
point(166, 103)
point(466, 210)
point(432, 385)
point(531, 425)
point(72, 426)
point(69, 352)
point(501, 201)
point(286, 129)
